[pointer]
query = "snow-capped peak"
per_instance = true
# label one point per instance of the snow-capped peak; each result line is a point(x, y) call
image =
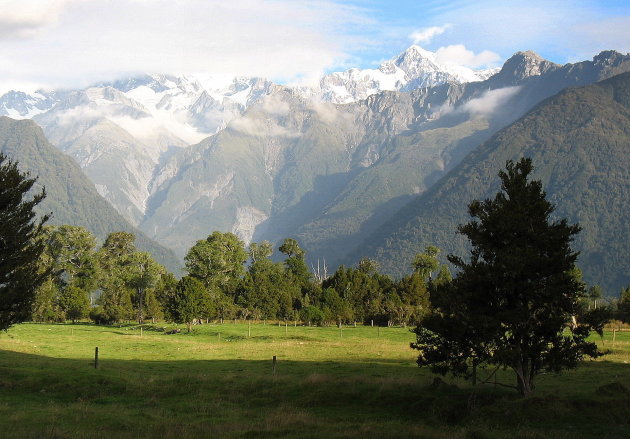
point(414, 68)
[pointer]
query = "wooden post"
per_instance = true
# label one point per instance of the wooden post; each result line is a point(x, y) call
point(613, 337)
point(274, 365)
point(372, 323)
point(340, 330)
point(286, 328)
point(96, 358)
point(249, 328)
point(355, 324)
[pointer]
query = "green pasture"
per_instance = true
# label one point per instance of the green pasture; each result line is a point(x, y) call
point(218, 381)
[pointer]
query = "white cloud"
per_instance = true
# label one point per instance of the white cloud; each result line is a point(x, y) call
point(457, 54)
point(489, 102)
point(426, 34)
point(26, 18)
point(70, 43)
point(275, 106)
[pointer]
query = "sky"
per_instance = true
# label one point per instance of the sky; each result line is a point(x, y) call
point(73, 43)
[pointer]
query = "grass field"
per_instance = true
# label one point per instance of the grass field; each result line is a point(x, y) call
point(218, 382)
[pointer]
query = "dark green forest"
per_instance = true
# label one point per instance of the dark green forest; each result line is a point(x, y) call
point(579, 142)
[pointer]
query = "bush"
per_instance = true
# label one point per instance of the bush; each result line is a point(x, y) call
point(312, 314)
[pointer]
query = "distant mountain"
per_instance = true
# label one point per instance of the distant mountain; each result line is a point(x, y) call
point(579, 141)
point(71, 197)
point(121, 132)
point(415, 68)
point(289, 161)
point(329, 175)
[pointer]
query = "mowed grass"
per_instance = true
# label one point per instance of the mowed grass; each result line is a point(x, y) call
point(217, 382)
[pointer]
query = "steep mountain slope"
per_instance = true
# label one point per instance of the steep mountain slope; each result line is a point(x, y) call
point(71, 197)
point(579, 141)
point(328, 174)
point(121, 132)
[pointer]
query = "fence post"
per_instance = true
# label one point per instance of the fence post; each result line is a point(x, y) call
point(286, 328)
point(96, 358)
point(249, 328)
point(274, 365)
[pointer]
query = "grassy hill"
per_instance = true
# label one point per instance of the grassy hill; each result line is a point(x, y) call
point(579, 141)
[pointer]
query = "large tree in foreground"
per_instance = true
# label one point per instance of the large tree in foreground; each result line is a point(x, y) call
point(517, 303)
point(19, 248)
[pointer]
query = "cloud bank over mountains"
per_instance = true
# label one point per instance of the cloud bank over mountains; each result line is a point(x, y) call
point(70, 43)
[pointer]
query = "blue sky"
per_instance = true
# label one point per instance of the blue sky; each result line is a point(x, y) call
point(561, 31)
point(71, 43)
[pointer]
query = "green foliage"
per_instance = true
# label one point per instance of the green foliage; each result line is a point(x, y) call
point(188, 302)
point(217, 261)
point(20, 249)
point(513, 304)
point(335, 308)
point(295, 262)
point(426, 263)
point(362, 291)
point(312, 315)
point(74, 302)
point(143, 275)
point(267, 290)
point(72, 249)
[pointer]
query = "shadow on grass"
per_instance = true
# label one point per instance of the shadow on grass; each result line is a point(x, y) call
point(246, 393)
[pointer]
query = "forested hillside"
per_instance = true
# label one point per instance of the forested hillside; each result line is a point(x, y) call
point(579, 141)
point(71, 197)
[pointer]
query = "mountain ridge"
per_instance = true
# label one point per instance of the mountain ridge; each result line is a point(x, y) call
point(587, 180)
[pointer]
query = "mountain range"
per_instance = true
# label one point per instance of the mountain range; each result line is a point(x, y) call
point(330, 165)
point(579, 142)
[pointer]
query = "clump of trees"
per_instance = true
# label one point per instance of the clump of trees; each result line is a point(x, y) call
point(111, 284)
point(115, 283)
point(519, 301)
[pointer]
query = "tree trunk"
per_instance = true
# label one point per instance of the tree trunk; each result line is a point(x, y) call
point(524, 382)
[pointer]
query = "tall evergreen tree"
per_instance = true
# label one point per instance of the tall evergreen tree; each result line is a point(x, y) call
point(19, 248)
point(512, 305)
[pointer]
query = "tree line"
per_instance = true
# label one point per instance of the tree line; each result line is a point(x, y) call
point(225, 279)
